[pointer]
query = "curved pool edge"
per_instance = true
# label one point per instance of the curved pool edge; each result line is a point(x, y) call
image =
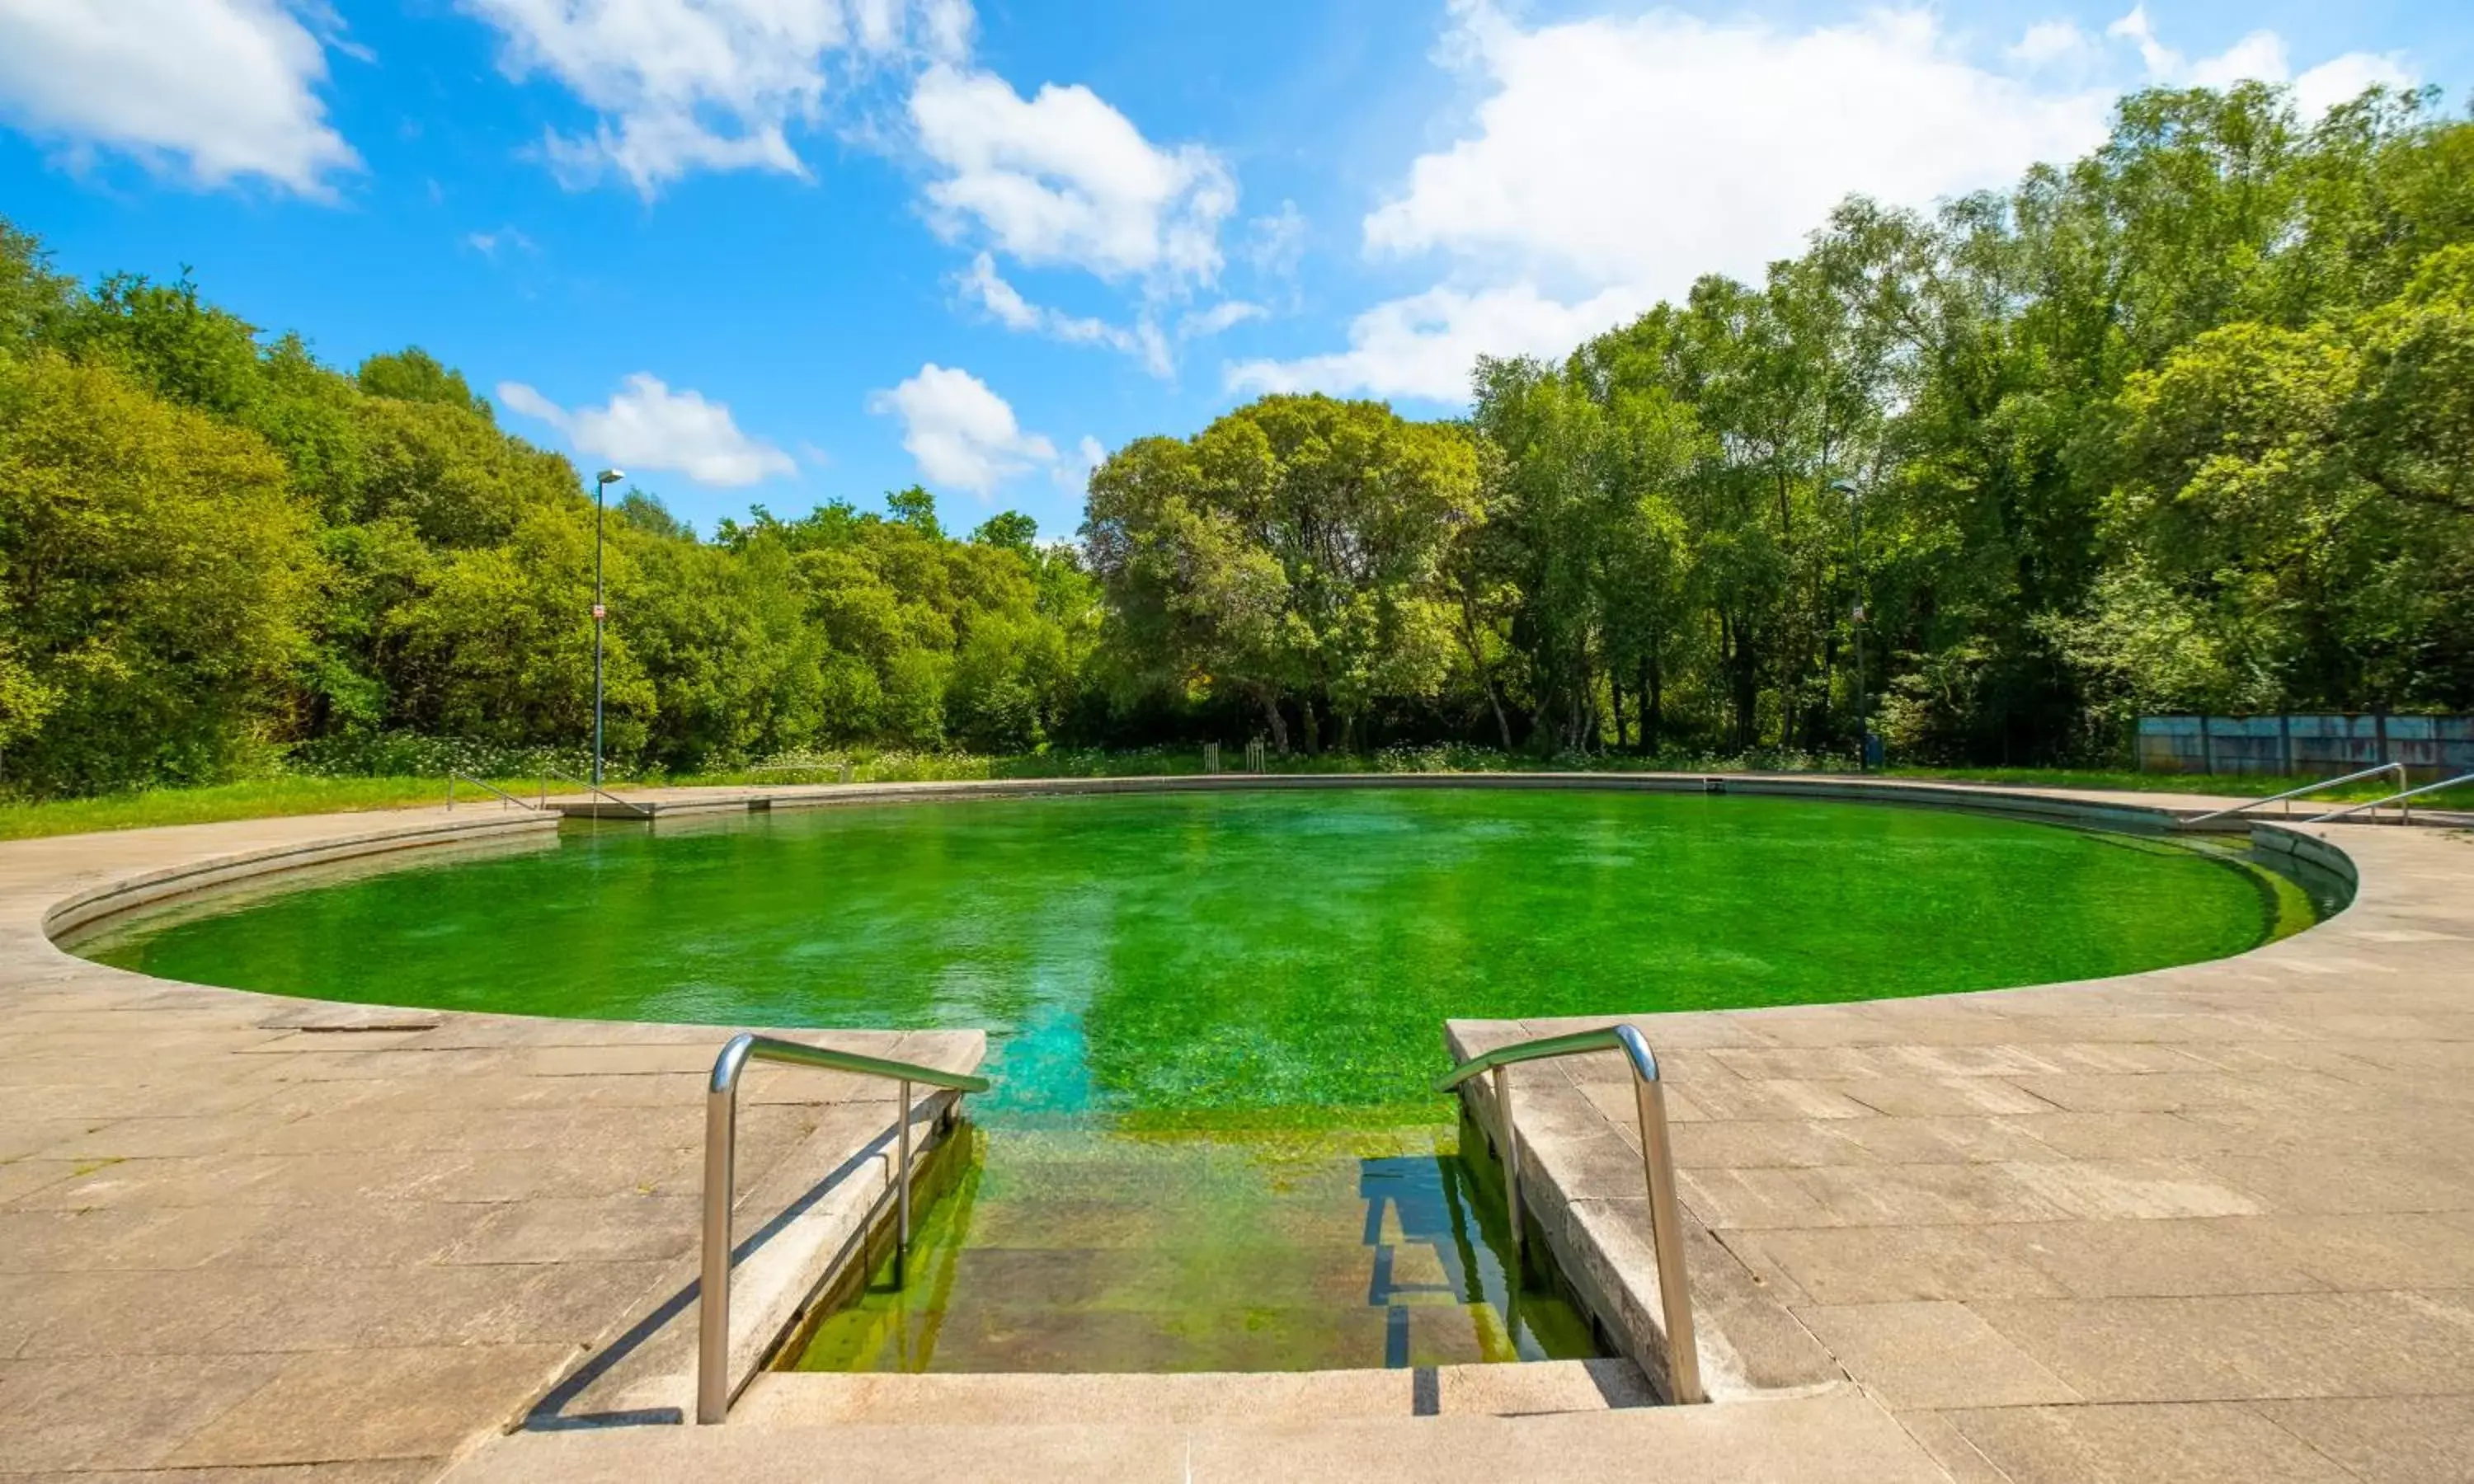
point(154, 874)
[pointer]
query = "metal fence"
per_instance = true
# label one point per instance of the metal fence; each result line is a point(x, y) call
point(2296, 746)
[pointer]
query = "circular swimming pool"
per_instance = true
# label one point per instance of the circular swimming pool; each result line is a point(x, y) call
point(1227, 956)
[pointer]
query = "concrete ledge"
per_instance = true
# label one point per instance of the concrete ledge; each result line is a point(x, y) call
point(378, 836)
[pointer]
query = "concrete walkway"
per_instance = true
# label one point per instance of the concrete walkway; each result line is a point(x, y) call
point(243, 1231)
point(2215, 1222)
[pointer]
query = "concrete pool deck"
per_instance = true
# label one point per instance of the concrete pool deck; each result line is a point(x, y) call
point(2216, 1220)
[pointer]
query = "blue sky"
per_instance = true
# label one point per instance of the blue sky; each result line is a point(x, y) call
point(788, 250)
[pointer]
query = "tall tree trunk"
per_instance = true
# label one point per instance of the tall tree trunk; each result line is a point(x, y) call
point(1306, 724)
point(1651, 721)
point(1271, 700)
point(1615, 700)
point(1502, 722)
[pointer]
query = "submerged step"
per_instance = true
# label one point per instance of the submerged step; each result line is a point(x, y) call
point(813, 1399)
point(1099, 1252)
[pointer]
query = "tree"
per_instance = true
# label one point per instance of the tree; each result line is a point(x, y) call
point(154, 582)
point(1291, 551)
point(415, 375)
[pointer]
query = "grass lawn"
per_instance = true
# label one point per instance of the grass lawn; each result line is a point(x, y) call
point(275, 796)
point(258, 798)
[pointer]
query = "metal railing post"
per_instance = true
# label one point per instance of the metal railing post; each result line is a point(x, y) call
point(902, 1187)
point(1665, 1222)
point(1511, 1144)
point(1658, 1168)
point(721, 1175)
point(713, 1290)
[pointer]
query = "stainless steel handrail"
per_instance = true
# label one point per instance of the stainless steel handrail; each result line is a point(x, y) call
point(2290, 794)
point(641, 811)
point(720, 1171)
point(2405, 810)
point(453, 779)
point(1658, 1165)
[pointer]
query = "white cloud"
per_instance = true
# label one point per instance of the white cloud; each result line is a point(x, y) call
point(2161, 60)
point(2261, 56)
point(982, 283)
point(1614, 159)
point(647, 426)
point(1277, 244)
point(961, 435)
point(2049, 42)
point(1063, 178)
point(682, 86)
point(1142, 340)
point(1428, 344)
point(1218, 318)
point(1657, 149)
point(1073, 472)
point(216, 90)
point(2342, 79)
point(487, 243)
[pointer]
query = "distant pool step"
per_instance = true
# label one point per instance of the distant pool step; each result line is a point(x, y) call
point(1537, 1388)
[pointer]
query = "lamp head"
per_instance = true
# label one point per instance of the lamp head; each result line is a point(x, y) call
point(609, 476)
point(1845, 487)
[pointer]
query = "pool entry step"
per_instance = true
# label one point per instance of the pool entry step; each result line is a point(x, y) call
point(1077, 1251)
point(809, 1399)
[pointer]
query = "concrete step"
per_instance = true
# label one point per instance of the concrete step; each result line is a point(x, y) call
point(812, 1399)
point(1837, 1437)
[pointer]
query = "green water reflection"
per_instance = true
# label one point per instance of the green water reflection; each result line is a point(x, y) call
point(1215, 1016)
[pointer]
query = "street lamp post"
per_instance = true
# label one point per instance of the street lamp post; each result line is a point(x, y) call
point(1863, 717)
point(601, 484)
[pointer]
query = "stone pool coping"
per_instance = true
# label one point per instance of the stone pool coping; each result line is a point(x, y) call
point(237, 1230)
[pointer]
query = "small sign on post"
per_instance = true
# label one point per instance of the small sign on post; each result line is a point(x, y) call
point(600, 613)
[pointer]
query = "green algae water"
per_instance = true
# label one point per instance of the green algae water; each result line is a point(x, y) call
point(1214, 1017)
